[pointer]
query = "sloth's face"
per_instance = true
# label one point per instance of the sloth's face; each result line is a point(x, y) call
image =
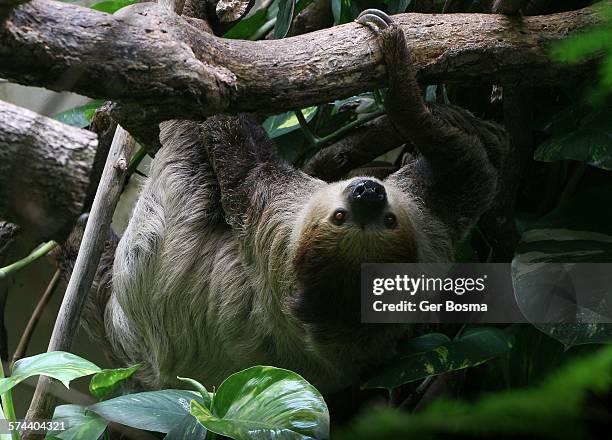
point(362, 220)
point(356, 221)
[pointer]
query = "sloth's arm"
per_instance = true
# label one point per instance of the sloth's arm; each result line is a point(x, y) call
point(252, 178)
point(457, 172)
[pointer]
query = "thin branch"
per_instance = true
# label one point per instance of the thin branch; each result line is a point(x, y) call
point(37, 253)
point(22, 347)
point(159, 67)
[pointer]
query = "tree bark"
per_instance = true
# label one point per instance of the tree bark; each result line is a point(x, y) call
point(149, 58)
point(44, 172)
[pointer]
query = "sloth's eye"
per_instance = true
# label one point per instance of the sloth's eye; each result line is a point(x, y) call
point(390, 220)
point(339, 216)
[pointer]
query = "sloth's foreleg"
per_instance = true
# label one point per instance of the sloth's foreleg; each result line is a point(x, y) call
point(457, 174)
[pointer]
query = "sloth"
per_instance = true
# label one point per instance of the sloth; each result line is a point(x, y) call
point(234, 258)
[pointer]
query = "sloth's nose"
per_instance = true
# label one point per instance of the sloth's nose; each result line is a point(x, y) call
point(367, 199)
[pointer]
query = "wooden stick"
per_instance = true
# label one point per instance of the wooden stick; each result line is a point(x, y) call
point(22, 347)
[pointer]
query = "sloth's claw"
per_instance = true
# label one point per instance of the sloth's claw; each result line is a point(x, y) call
point(375, 19)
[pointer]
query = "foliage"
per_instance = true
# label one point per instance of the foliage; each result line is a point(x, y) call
point(561, 407)
point(82, 424)
point(579, 134)
point(260, 402)
point(577, 231)
point(264, 403)
point(102, 384)
point(59, 365)
point(588, 44)
point(434, 354)
point(79, 116)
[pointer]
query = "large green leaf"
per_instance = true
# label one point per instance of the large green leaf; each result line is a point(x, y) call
point(579, 231)
point(81, 424)
point(431, 355)
point(59, 365)
point(79, 116)
point(159, 411)
point(265, 403)
point(284, 18)
point(284, 123)
point(102, 384)
point(591, 142)
point(565, 406)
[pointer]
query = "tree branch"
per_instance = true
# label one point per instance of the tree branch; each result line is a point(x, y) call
point(145, 56)
point(45, 171)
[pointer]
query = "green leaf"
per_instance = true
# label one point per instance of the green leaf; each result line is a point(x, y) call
point(590, 143)
point(197, 386)
point(102, 384)
point(159, 411)
point(284, 17)
point(265, 403)
point(422, 344)
point(341, 10)
point(284, 123)
point(59, 365)
point(188, 429)
point(81, 424)
point(80, 116)
point(433, 355)
point(578, 231)
point(248, 26)
point(592, 43)
point(112, 6)
point(563, 407)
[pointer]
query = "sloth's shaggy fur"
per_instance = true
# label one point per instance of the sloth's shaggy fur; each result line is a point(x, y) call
point(230, 258)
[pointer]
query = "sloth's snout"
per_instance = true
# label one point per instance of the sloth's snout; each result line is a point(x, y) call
point(367, 199)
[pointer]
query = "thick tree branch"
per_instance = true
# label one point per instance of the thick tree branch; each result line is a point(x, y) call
point(45, 171)
point(151, 58)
